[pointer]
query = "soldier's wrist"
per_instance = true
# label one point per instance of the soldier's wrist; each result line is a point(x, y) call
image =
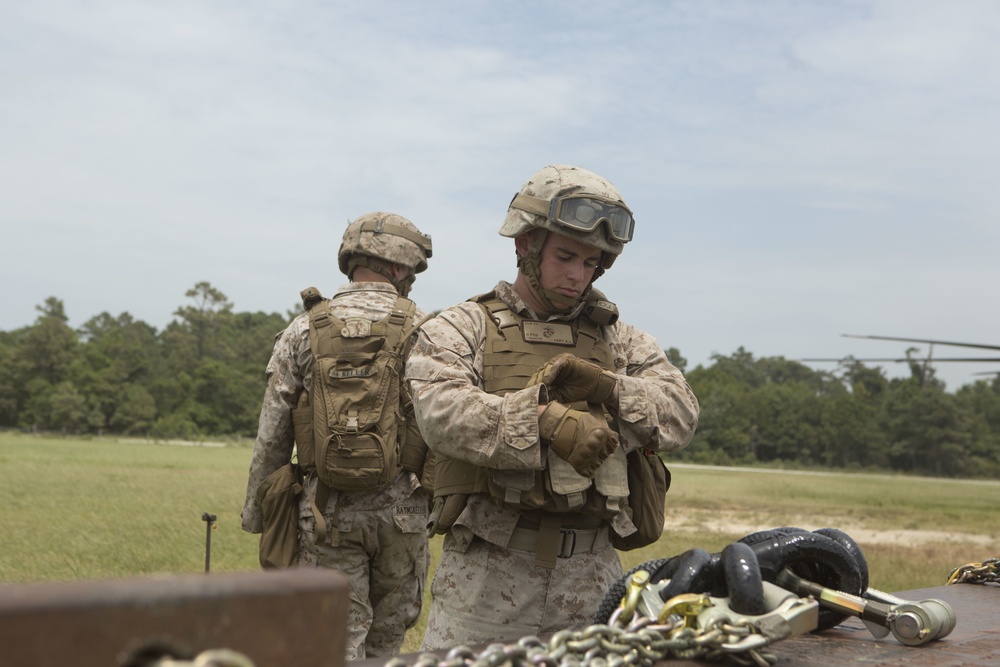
point(607, 383)
point(550, 419)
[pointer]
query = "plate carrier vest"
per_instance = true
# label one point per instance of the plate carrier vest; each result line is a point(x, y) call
point(515, 347)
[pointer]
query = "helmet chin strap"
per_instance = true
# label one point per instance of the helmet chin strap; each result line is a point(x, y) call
point(530, 266)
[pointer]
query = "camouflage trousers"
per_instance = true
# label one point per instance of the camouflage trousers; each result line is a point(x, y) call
point(383, 552)
point(490, 593)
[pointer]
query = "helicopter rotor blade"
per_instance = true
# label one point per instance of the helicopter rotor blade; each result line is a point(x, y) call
point(925, 340)
point(905, 359)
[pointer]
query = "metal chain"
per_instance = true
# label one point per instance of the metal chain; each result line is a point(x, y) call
point(221, 657)
point(640, 644)
point(977, 573)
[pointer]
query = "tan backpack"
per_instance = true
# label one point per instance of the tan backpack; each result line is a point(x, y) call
point(349, 429)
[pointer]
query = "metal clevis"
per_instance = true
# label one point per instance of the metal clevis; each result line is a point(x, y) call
point(787, 614)
point(912, 623)
point(769, 586)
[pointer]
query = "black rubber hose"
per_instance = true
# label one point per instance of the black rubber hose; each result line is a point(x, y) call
point(743, 579)
point(695, 573)
point(825, 558)
point(712, 582)
point(613, 598)
point(852, 547)
point(804, 570)
point(770, 533)
point(840, 569)
point(833, 533)
point(666, 570)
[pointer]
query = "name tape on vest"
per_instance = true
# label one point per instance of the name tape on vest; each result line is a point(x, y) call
point(547, 332)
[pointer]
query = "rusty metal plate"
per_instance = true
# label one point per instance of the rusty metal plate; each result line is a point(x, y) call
point(276, 618)
point(974, 641)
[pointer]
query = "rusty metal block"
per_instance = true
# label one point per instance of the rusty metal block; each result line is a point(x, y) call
point(276, 618)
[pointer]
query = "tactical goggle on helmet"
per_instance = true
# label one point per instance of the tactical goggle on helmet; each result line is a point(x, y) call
point(581, 213)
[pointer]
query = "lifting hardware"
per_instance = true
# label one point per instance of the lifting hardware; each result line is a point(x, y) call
point(912, 623)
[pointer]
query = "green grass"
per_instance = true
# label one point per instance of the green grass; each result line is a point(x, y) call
point(94, 509)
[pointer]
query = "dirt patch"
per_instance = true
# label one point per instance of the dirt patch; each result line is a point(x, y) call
point(738, 524)
point(180, 443)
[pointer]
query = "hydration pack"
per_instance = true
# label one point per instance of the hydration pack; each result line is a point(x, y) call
point(350, 427)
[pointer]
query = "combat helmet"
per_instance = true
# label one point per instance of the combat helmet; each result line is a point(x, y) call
point(388, 237)
point(574, 202)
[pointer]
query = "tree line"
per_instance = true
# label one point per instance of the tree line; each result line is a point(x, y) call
point(775, 411)
point(202, 377)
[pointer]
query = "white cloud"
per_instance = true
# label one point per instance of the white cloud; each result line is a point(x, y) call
point(797, 170)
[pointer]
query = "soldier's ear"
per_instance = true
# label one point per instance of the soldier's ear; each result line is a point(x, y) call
point(522, 243)
point(400, 271)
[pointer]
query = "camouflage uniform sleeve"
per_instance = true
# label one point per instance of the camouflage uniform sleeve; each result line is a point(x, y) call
point(456, 417)
point(275, 438)
point(656, 407)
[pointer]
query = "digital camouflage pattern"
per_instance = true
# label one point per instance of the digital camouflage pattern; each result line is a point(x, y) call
point(383, 552)
point(656, 409)
point(555, 181)
point(388, 246)
point(382, 529)
point(493, 594)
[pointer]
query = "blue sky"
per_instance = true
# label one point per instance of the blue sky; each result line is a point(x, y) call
point(798, 170)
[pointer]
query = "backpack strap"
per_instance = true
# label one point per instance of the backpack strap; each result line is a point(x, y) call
point(310, 297)
point(400, 320)
point(319, 501)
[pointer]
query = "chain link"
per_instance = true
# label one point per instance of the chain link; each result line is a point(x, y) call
point(976, 573)
point(640, 644)
point(222, 657)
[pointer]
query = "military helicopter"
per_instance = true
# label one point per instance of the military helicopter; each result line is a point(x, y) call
point(919, 365)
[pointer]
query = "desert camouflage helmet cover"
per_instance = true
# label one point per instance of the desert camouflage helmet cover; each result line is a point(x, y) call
point(387, 236)
point(558, 180)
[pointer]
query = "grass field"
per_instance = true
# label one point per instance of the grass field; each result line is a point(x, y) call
point(94, 509)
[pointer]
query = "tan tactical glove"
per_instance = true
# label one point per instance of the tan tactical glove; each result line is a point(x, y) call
point(570, 379)
point(580, 438)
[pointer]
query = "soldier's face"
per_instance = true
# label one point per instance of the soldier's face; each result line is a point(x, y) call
point(567, 265)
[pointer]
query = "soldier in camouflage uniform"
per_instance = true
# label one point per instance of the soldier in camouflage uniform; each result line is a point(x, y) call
point(517, 560)
point(382, 543)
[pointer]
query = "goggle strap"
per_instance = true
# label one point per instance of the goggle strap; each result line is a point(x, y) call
point(382, 227)
point(530, 204)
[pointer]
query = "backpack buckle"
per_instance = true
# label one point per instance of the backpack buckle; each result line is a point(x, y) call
point(352, 422)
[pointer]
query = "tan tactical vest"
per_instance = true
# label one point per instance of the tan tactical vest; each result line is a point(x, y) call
point(515, 347)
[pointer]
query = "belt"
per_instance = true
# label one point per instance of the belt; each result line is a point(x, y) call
point(570, 541)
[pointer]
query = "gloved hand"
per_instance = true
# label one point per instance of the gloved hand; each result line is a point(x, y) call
point(570, 378)
point(580, 438)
